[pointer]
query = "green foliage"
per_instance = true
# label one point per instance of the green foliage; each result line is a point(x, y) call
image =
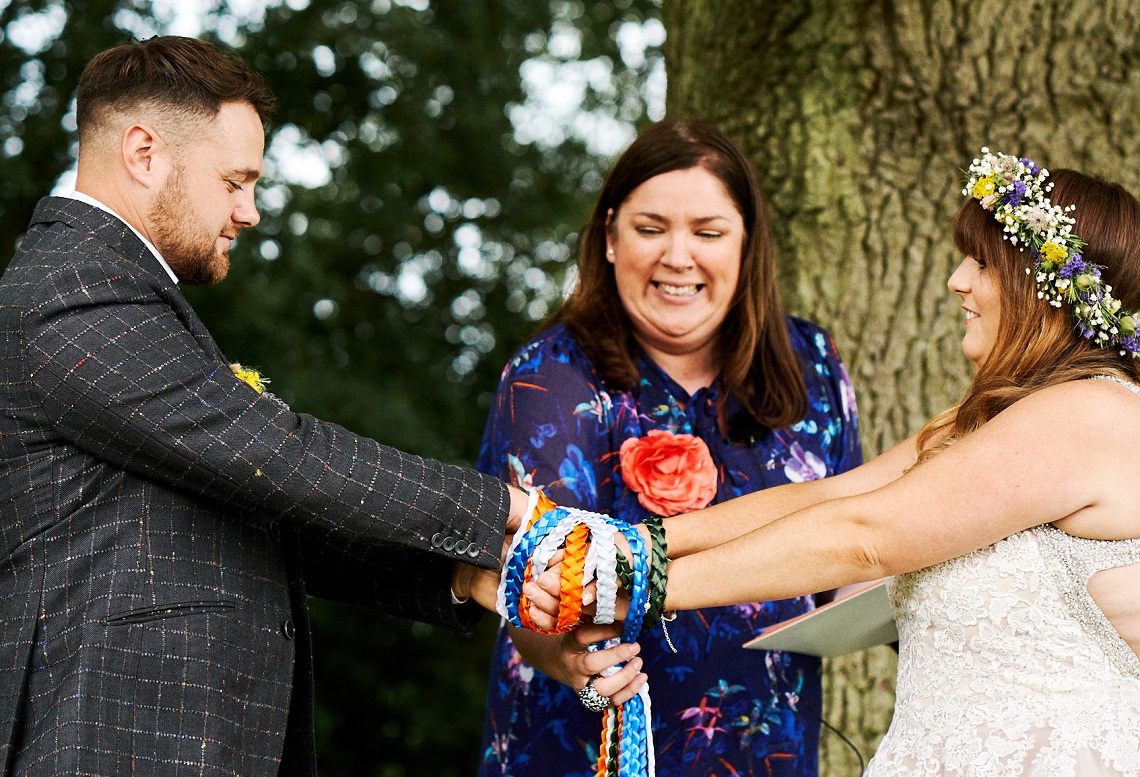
point(418, 217)
point(40, 73)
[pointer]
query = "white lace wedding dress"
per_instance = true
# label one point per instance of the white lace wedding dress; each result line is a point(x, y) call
point(1008, 667)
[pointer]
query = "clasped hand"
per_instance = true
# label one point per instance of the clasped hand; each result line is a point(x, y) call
point(545, 596)
point(572, 658)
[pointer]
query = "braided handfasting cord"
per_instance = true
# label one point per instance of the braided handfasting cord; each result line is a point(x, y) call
point(658, 574)
point(655, 612)
point(589, 554)
point(571, 581)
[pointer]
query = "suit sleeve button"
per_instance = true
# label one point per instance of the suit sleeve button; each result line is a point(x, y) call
point(287, 629)
point(449, 544)
point(437, 539)
point(461, 547)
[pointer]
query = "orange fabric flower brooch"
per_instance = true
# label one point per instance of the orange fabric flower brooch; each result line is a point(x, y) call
point(671, 473)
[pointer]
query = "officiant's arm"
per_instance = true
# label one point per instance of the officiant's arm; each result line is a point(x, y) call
point(703, 529)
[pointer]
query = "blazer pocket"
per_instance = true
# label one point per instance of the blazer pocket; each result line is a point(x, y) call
point(176, 610)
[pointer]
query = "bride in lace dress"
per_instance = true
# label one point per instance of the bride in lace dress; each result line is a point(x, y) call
point(1009, 525)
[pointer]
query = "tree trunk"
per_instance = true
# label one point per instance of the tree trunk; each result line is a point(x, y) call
point(860, 118)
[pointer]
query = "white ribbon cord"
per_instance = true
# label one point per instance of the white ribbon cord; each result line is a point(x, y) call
point(516, 538)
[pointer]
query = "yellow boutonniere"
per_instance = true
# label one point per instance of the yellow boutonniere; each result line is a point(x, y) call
point(250, 376)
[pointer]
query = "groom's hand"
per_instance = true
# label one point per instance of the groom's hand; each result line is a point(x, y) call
point(516, 519)
point(472, 582)
point(545, 591)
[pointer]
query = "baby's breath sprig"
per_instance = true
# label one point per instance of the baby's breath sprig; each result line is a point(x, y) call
point(1016, 192)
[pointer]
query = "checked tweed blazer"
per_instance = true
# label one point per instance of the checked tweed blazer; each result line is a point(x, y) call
point(161, 524)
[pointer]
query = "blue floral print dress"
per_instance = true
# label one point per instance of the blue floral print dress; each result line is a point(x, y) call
point(718, 709)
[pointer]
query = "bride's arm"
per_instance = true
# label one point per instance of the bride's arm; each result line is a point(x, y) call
point(692, 533)
point(703, 529)
point(1021, 469)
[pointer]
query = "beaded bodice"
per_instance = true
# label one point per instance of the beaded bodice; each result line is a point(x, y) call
point(1007, 667)
point(1072, 561)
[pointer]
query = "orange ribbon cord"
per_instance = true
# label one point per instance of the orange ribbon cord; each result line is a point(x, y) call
point(573, 572)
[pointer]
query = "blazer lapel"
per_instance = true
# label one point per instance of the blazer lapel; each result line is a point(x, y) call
point(119, 237)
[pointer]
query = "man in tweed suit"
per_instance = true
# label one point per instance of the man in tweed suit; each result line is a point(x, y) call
point(163, 521)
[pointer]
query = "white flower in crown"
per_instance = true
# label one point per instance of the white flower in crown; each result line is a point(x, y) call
point(1015, 190)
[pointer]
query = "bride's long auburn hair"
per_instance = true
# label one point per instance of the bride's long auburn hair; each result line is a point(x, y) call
point(1037, 345)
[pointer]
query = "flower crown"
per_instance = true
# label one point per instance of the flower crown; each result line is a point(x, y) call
point(1014, 190)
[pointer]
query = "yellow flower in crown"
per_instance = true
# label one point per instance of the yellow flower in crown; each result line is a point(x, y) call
point(250, 376)
point(1053, 253)
point(984, 187)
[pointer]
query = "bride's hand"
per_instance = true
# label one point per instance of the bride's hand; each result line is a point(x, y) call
point(545, 593)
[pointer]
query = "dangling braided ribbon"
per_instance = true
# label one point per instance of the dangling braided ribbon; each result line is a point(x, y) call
point(591, 554)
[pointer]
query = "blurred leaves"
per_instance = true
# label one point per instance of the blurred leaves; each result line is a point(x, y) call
point(425, 175)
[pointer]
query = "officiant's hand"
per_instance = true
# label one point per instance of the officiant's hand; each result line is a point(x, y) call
point(568, 660)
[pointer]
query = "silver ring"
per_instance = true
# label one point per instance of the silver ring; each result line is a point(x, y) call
point(591, 699)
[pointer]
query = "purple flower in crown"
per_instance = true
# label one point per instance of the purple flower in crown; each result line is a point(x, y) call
point(1092, 296)
point(1014, 194)
point(1075, 266)
point(1014, 190)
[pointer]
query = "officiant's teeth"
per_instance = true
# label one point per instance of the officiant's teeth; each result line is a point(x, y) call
point(679, 291)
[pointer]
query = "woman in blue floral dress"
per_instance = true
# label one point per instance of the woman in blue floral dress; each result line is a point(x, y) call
point(674, 327)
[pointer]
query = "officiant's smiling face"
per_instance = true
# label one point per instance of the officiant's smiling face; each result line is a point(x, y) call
point(675, 245)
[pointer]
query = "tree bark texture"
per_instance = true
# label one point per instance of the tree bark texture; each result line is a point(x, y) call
point(860, 117)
